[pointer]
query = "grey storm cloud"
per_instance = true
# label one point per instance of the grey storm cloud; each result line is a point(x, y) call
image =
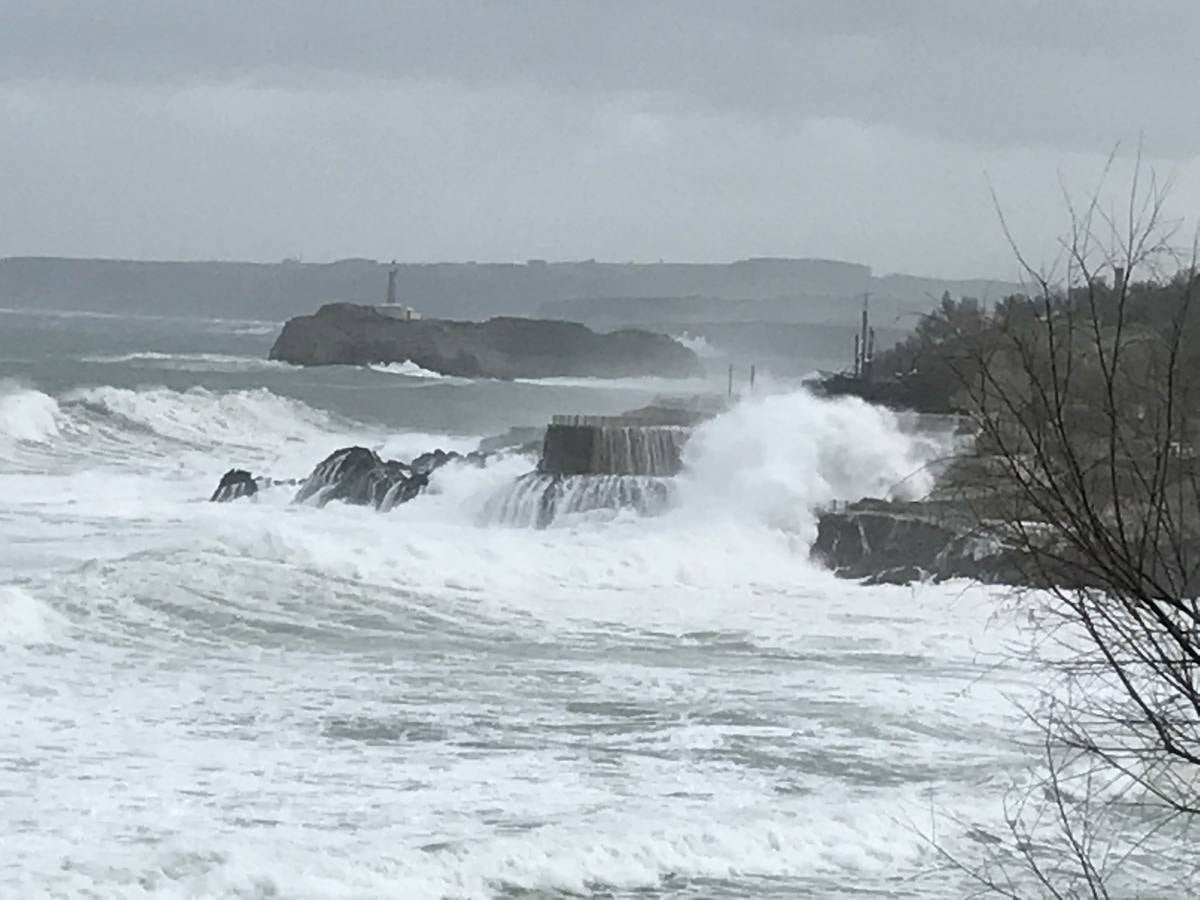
point(1069, 73)
point(872, 130)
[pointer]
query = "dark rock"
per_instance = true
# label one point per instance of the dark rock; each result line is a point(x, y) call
point(353, 475)
point(900, 545)
point(506, 347)
point(434, 459)
point(898, 575)
point(358, 476)
point(234, 484)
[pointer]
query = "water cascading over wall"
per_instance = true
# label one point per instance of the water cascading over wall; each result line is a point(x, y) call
point(602, 445)
point(594, 463)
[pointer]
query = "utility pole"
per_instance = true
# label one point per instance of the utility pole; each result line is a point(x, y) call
point(865, 369)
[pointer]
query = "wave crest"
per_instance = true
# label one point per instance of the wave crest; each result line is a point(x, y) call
point(201, 417)
point(27, 415)
point(190, 362)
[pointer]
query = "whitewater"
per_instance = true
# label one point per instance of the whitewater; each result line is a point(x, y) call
point(260, 699)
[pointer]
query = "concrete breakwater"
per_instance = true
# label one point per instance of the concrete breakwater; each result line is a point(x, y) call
point(591, 463)
point(597, 445)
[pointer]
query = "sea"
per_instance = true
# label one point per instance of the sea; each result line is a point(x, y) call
point(267, 700)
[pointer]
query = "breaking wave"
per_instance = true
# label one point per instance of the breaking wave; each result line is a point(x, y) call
point(27, 415)
point(407, 368)
point(202, 417)
point(771, 462)
point(776, 459)
point(190, 362)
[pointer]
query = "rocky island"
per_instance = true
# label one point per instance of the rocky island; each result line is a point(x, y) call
point(503, 347)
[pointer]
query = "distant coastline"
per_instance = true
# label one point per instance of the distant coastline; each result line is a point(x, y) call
point(801, 290)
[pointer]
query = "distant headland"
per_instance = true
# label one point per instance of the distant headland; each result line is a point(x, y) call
point(501, 347)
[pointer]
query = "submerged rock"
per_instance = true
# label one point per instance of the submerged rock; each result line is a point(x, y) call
point(235, 483)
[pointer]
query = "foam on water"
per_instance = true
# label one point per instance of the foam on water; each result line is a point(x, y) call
point(26, 621)
point(190, 362)
point(408, 369)
point(260, 699)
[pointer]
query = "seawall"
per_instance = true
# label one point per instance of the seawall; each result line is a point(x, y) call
point(612, 446)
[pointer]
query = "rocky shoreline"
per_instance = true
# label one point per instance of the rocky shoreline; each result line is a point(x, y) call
point(882, 542)
point(871, 540)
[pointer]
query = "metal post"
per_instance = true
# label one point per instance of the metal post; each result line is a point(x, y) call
point(731, 380)
point(752, 378)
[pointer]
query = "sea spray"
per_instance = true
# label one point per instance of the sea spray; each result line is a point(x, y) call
point(699, 345)
point(777, 459)
point(771, 461)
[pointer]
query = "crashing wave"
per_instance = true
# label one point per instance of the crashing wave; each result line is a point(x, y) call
point(27, 415)
point(202, 417)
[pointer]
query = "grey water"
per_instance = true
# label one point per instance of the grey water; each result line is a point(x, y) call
point(259, 699)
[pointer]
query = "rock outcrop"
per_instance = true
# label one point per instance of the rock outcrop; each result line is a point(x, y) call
point(352, 475)
point(350, 334)
point(886, 543)
point(235, 484)
point(360, 477)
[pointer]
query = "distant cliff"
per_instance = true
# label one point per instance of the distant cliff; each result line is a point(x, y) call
point(350, 334)
point(795, 290)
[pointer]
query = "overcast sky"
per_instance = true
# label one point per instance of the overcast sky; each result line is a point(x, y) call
point(616, 129)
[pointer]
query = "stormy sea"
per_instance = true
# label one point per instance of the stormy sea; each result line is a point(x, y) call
point(267, 699)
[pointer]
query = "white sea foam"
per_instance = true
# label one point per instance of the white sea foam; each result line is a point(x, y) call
point(26, 621)
point(199, 416)
point(27, 415)
point(774, 460)
point(261, 699)
point(190, 362)
point(407, 368)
